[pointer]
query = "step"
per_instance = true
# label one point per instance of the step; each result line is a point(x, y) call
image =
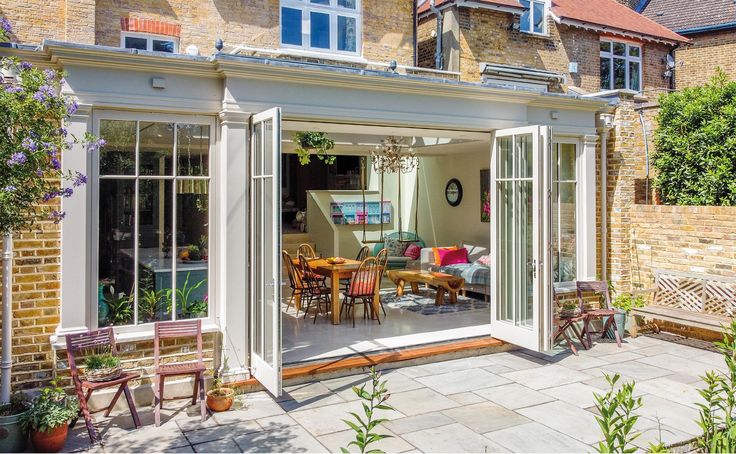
point(296, 238)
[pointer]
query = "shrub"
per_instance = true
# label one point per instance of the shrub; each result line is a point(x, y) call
point(617, 418)
point(695, 156)
point(51, 409)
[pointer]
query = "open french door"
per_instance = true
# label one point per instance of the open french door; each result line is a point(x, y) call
point(521, 277)
point(265, 245)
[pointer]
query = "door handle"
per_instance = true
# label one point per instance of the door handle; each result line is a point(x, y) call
point(534, 268)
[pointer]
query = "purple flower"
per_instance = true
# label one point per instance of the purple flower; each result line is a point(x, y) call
point(95, 145)
point(5, 25)
point(50, 74)
point(50, 196)
point(79, 179)
point(39, 172)
point(16, 159)
point(24, 65)
point(29, 144)
point(72, 107)
point(55, 163)
point(44, 94)
point(13, 89)
point(66, 192)
point(57, 216)
point(10, 188)
point(62, 131)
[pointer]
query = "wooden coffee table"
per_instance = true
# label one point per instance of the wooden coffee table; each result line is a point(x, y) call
point(445, 283)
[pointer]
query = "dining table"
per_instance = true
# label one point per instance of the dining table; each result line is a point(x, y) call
point(334, 272)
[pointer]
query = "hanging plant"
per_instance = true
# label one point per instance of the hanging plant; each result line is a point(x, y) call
point(313, 142)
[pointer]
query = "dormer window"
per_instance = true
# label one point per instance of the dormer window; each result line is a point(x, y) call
point(534, 18)
point(321, 25)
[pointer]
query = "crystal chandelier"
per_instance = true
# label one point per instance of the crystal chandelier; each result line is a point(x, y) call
point(388, 157)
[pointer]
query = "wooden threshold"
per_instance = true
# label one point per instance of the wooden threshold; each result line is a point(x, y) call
point(368, 360)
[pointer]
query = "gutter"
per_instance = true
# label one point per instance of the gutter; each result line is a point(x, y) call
point(707, 28)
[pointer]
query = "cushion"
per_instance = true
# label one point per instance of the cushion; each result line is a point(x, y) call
point(453, 257)
point(484, 260)
point(437, 250)
point(413, 251)
point(395, 247)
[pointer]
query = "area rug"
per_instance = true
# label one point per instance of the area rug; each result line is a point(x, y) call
point(423, 303)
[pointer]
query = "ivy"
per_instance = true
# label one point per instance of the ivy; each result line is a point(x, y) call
point(314, 142)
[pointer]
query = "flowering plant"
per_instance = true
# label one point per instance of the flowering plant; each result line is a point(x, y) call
point(33, 113)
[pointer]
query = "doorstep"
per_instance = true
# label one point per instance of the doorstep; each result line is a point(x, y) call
point(295, 374)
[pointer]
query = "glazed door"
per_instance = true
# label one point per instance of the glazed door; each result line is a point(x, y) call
point(521, 307)
point(265, 245)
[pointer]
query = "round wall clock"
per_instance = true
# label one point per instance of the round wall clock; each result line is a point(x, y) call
point(454, 192)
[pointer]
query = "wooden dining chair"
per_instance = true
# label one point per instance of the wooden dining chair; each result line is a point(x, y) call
point(307, 251)
point(382, 258)
point(177, 330)
point(364, 252)
point(606, 313)
point(314, 290)
point(568, 322)
point(362, 289)
point(295, 280)
point(94, 342)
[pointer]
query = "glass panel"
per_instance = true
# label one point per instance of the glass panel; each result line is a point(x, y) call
point(269, 288)
point(267, 151)
point(538, 17)
point(117, 157)
point(258, 149)
point(257, 254)
point(291, 26)
point(564, 246)
point(163, 46)
point(525, 154)
point(506, 250)
point(605, 46)
point(155, 257)
point(525, 22)
point(619, 73)
point(156, 148)
point(192, 239)
point(619, 49)
point(320, 2)
point(635, 51)
point(320, 30)
point(132, 42)
point(347, 3)
point(525, 261)
point(566, 162)
point(347, 34)
point(116, 256)
point(192, 149)
point(505, 157)
point(605, 73)
point(634, 76)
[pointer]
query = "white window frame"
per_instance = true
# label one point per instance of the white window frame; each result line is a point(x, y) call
point(149, 37)
point(306, 7)
point(580, 241)
point(145, 330)
point(545, 28)
point(628, 58)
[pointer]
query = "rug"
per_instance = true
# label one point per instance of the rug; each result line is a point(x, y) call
point(423, 303)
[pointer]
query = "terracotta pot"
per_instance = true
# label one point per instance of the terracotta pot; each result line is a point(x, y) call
point(51, 441)
point(220, 399)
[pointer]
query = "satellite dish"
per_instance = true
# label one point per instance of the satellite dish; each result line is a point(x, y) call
point(670, 61)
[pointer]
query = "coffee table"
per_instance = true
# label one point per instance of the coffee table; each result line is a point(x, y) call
point(445, 283)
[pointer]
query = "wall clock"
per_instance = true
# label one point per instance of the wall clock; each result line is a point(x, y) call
point(454, 192)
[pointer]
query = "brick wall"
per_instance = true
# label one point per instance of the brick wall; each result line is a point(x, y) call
point(697, 62)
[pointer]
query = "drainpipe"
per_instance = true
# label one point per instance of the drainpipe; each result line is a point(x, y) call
point(415, 31)
point(646, 149)
point(438, 48)
point(606, 121)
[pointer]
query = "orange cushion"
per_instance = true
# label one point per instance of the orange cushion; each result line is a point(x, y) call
point(436, 250)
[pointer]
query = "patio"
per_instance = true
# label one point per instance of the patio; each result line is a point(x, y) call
point(513, 401)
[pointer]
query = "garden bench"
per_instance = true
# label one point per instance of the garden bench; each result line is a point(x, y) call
point(690, 299)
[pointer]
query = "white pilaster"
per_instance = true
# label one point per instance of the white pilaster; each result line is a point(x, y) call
point(587, 246)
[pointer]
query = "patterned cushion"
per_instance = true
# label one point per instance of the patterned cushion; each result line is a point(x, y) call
point(395, 247)
point(413, 251)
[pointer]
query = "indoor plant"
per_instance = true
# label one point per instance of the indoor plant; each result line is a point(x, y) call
point(48, 418)
point(308, 142)
point(102, 366)
point(13, 436)
point(219, 398)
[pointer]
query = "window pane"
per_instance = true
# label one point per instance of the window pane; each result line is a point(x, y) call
point(635, 51)
point(117, 157)
point(132, 42)
point(155, 257)
point(192, 227)
point(564, 247)
point(320, 2)
point(525, 22)
point(347, 34)
point(619, 73)
point(605, 73)
point(193, 147)
point(291, 26)
point(116, 255)
point(320, 30)
point(505, 157)
point(347, 3)
point(156, 148)
point(619, 49)
point(538, 17)
point(634, 77)
point(605, 46)
point(566, 162)
point(525, 155)
point(163, 46)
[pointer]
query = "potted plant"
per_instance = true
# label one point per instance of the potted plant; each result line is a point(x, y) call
point(313, 142)
point(48, 418)
point(194, 252)
point(569, 308)
point(13, 436)
point(102, 366)
point(624, 303)
point(219, 398)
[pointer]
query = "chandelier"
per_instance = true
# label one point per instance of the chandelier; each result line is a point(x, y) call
point(388, 157)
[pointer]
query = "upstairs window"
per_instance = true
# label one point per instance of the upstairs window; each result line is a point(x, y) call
point(534, 18)
point(321, 25)
point(620, 66)
point(146, 41)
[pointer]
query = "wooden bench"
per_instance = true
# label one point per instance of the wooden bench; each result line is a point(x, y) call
point(689, 299)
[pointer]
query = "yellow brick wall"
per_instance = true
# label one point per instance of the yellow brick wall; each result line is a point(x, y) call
point(698, 61)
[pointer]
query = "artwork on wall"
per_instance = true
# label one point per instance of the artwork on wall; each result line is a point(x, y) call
point(485, 195)
point(350, 213)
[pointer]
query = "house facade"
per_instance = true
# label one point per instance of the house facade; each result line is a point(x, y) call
point(192, 98)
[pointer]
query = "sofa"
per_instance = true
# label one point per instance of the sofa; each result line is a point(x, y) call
point(396, 261)
point(477, 275)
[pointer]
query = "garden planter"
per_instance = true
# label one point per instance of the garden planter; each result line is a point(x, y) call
point(220, 399)
point(103, 375)
point(621, 319)
point(12, 436)
point(51, 441)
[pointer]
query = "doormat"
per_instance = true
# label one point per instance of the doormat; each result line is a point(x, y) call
point(423, 303)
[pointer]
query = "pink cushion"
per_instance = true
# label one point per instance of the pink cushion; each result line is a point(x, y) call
point(485, 260)
point(413, 251)
point(454, 257)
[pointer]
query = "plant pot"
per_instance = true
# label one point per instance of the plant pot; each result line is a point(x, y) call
point(220, 399)
point(620, 318)
point(51, 441)
point(103, 375)
point(12, 436)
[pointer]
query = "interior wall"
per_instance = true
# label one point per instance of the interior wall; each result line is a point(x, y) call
point(439, 223)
